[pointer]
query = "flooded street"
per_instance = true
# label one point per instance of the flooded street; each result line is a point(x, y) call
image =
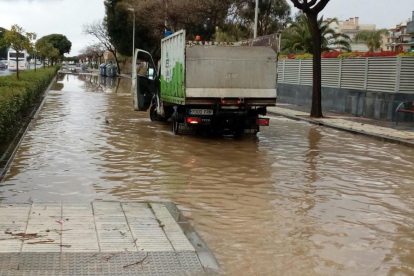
point(297, 199)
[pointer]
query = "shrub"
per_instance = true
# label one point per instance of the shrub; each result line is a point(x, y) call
point(304, 56)
point(18, 95)
point(406, 54)
point(333, 54)
point(349, 55)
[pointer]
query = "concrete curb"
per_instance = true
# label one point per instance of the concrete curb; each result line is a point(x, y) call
point(369, 134)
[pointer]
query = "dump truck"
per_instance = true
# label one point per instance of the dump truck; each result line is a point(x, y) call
point(203, 86)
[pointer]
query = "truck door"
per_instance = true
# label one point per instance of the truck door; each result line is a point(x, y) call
point(144, 80)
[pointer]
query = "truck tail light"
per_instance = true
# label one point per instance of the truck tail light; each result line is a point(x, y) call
point(193, 120)
point(231, 102)
point(262, 122)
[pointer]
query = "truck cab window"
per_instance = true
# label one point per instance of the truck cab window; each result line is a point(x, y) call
point(145, 66)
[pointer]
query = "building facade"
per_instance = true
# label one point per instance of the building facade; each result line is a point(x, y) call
point(401, 36)
point(351, 27)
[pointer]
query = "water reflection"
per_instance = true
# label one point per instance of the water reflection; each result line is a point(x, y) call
point(88, 83)
point(312, 155)
point(295, 200)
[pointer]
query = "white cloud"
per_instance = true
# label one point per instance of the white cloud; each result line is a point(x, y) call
point(53, 16)
point(67, 16)
point(383, 13)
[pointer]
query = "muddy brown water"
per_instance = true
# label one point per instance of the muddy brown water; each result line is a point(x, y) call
point(295, 200)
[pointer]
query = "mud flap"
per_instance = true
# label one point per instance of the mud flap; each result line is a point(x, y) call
point(185, 129)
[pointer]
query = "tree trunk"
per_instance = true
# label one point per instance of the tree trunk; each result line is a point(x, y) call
point(17, 65)
point(316, 111)
point(117, 63)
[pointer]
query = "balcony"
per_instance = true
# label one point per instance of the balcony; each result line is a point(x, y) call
point(394, 35)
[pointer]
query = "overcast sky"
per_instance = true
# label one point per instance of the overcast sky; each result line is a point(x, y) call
point(67, 16)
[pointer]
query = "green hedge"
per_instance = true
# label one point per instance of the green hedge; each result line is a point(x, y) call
point(16, 96)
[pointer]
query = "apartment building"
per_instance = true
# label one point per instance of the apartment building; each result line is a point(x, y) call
point(351, 27)
point(402, 36)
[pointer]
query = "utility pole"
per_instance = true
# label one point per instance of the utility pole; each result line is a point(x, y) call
point(133, 35)
point(165, 16)
point(256, 15)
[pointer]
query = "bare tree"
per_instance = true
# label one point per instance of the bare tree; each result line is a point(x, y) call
point(99, 30)
point(98, 50)
point(312, 8)
point(87, 53)
point(182, 14)
point(94, 51)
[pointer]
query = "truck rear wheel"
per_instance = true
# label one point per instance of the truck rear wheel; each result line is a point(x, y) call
point(174, 123)
point(238, 133)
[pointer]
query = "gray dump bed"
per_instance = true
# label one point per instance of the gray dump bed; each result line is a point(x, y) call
point(230, 71)
point(192, 71)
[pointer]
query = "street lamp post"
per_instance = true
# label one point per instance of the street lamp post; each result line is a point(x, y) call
point(256, 15)
point(133, 35)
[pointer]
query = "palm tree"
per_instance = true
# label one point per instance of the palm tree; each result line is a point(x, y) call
point(372, 38)
point(298, 39)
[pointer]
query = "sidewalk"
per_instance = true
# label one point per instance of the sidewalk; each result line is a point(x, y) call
point(379, 129)
point(99, 238)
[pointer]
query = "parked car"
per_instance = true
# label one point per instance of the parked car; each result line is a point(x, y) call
point(4, 63)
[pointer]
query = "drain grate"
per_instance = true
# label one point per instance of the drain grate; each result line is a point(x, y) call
point(100, 264)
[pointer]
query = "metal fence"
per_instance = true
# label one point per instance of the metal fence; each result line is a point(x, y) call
point(382, 74)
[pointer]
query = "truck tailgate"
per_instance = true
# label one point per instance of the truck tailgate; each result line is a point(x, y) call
point(230, 72)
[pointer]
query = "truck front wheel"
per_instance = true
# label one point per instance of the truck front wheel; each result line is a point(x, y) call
point(153, 113)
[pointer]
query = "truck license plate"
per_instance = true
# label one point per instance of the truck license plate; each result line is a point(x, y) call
point(201, 111)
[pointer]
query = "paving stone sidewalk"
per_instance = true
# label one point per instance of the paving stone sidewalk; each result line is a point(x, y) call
point(99, 238)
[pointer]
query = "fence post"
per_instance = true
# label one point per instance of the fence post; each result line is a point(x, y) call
point(340, 73)
point(300, 69)
point(283, 76)
point(366, 73)
point(398, 75)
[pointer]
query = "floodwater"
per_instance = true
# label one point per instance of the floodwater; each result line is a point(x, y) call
point(296, 200)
